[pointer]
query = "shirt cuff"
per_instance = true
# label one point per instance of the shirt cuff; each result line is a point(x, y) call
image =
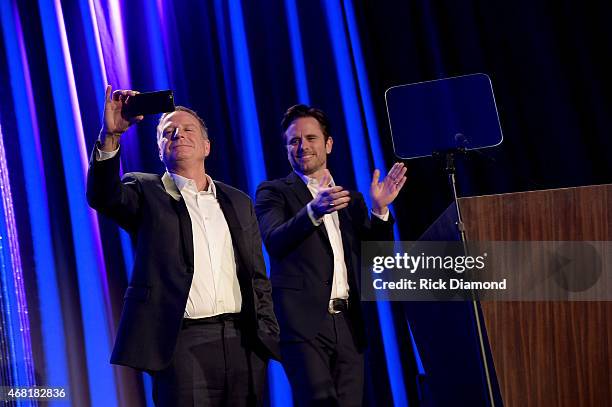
point(105, 155)
point(384, 217)
point(312, 217)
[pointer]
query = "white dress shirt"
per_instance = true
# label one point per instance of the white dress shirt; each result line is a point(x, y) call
point(331, 222)
point(215, 289)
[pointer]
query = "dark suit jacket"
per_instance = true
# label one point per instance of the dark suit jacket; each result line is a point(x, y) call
point(301, 256)
point(151, 209)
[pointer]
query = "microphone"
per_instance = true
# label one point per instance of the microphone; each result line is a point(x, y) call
point(461, 141)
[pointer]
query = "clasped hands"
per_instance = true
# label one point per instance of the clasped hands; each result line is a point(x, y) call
point(382, 194)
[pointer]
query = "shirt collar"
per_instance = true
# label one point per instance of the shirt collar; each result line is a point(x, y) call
point(181, 183)
point(312, 182)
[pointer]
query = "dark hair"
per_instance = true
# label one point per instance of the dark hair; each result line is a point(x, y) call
point(186, 110)
point(298, 111)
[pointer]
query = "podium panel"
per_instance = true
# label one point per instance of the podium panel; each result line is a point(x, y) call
point(547, 353)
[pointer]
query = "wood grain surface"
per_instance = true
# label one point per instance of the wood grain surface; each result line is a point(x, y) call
point(547, 353)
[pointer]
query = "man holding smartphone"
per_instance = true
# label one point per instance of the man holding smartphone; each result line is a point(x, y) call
point(197, 313)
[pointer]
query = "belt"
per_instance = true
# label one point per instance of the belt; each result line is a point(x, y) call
point(337, 305)
point(217, 319)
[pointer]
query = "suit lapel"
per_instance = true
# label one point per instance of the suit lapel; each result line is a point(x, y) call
point(185, 229)
point(350, 242)
point(299, 188)
point(236, 230)
point(178, 203)
point(344, 220)
point(347, 237)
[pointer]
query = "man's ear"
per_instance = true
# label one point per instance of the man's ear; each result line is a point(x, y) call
point(160, 146)
point(207, 148)
point(329, 143)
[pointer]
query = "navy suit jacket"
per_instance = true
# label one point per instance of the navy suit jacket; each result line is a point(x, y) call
point(301, 257)
point(151, 209)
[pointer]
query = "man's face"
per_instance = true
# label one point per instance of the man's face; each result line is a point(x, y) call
point(182, 140)
point(307, 148)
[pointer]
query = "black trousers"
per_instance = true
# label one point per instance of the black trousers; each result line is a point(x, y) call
point(212, 366)
point(327, 370)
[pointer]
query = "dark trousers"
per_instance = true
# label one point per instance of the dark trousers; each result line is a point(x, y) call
point(327, 370)
point(212, 366)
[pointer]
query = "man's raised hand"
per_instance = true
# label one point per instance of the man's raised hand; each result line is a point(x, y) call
point(384, 193)
point(115, 122)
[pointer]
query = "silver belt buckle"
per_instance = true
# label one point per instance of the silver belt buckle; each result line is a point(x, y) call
point(330, 308)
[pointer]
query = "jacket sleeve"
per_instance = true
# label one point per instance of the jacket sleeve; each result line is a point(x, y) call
point(261, 283)
point(118, 199)
point(371, 227)
point(281, 234)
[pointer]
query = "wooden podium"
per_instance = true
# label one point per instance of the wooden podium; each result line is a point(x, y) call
point(547, 353)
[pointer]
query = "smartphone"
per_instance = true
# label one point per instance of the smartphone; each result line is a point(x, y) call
point(150, 103)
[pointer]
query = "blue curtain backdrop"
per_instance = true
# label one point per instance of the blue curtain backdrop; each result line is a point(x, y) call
point(240, 64)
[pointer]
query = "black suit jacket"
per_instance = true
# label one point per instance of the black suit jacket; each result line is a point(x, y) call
point(151, 209)
point(301, 256)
